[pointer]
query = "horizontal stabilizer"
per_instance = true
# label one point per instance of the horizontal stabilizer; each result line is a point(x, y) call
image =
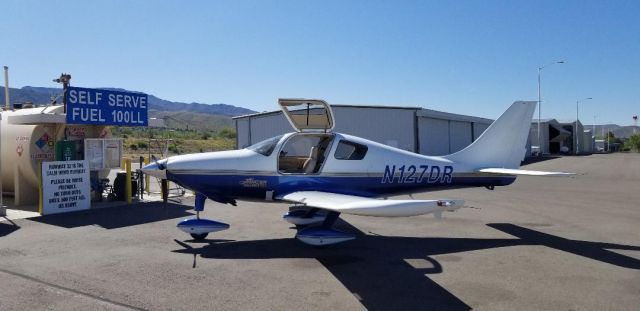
point(522, 172)
point(356, 205)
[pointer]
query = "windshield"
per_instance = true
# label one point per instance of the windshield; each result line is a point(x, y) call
point(265, 147)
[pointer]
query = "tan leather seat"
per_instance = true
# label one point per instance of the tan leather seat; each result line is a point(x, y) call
point(310, 164)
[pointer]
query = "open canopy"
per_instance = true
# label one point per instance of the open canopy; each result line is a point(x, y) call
point(308, 115)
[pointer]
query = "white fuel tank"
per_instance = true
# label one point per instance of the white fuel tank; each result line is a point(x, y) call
point(25, 146)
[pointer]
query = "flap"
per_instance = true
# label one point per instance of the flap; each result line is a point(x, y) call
point(510, 171)
point(356, 205)
point(308, 115)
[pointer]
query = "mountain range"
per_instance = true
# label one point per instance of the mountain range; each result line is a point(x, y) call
point(211, 116)
point(617, 130)
point(196, 115)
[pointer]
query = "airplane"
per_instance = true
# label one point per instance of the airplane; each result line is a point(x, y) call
point(325, 174)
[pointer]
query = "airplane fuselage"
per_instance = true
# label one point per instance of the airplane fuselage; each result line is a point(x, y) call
point(380, 171)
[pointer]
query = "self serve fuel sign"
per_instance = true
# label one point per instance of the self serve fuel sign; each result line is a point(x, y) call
point(105, 107)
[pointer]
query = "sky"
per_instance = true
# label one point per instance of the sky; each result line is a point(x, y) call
point(467, 57)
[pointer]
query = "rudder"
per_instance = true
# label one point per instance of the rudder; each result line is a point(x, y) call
point(503, 143)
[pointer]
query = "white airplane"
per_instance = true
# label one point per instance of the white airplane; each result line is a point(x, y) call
point(325, 173)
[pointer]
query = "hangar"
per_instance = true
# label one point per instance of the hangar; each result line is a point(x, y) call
point(557, 136)
point(413, 129)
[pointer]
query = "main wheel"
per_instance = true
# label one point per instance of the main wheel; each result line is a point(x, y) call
point(200, 236)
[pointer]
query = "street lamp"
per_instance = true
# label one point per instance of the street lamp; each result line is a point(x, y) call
point(540, 101)
point(575, 132)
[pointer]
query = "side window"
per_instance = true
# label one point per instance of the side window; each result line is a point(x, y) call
point(304, 153)
point(265, 147)
point(347, 150)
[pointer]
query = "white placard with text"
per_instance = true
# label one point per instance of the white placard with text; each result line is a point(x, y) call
point(65, 186)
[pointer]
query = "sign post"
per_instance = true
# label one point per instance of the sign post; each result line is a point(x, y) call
point(106, 107)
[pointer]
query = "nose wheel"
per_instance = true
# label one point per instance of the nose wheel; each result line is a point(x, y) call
point(198, 227)
point(199, 237)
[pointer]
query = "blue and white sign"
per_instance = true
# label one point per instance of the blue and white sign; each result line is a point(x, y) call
point(104, 107)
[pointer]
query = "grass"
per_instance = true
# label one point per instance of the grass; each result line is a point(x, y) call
point(177, 141)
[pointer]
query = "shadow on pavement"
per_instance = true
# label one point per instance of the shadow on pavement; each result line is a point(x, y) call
point(7, 227)
point(392, 272)
point(116, 217)
point(594, 250)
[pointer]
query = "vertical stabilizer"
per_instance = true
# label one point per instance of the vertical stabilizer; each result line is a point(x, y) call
point(503, 144)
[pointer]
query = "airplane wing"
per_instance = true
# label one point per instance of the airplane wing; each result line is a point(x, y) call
point(350, 204)
point(522, 172)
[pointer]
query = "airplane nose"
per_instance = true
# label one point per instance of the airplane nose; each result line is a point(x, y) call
point(157, 169)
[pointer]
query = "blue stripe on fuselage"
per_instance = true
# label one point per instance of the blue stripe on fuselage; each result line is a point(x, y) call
point(255, 187)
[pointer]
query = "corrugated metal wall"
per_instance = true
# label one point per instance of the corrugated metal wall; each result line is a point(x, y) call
point(243, 131)
point(440, 136)
point(263, 127)
point(436, 133)
point(478, 129)
point(393, 127)
point(434, 136)
point(389, 126)
point(460, 135)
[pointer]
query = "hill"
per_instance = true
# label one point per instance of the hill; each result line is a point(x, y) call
point(617, 130)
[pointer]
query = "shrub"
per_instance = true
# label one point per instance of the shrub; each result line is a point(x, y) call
point(227, 133)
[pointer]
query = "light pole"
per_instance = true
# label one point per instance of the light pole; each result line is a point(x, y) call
point(540, 101)
point(593, 134)
point(575, 132)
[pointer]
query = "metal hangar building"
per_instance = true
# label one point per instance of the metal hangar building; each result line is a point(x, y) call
point(413, 129)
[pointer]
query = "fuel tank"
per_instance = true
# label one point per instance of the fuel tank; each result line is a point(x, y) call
point(25, 146)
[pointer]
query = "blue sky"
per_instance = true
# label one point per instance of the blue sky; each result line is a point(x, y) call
point(469, 57)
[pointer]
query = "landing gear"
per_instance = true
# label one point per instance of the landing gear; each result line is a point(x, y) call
point(324, 234)
point(199, 237)
point(302, 217)
point(198, 227)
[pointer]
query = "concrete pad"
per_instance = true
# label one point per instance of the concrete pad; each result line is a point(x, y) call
point(540, 244)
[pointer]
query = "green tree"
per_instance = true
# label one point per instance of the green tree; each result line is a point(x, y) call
point(633, 142)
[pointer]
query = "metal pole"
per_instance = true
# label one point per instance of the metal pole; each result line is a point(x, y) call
point(593, 135)
point(603, 138)
point(540, 102)
point(6, 88)
point(576, 131)
point(539, 113)
point(128, 193)
point(3, 210)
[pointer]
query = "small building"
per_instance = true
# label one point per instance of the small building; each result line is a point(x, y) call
point(413, 129)
point(576, 143)
point(552, 137)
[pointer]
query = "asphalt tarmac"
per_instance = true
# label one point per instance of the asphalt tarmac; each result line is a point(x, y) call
point(539, 244)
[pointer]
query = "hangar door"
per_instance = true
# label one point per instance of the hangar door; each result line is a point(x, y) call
point(459, 135)
point(433, 136)
point(478, 129)
point(243, 135)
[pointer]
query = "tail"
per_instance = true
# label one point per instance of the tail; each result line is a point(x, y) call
point(503, 144)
